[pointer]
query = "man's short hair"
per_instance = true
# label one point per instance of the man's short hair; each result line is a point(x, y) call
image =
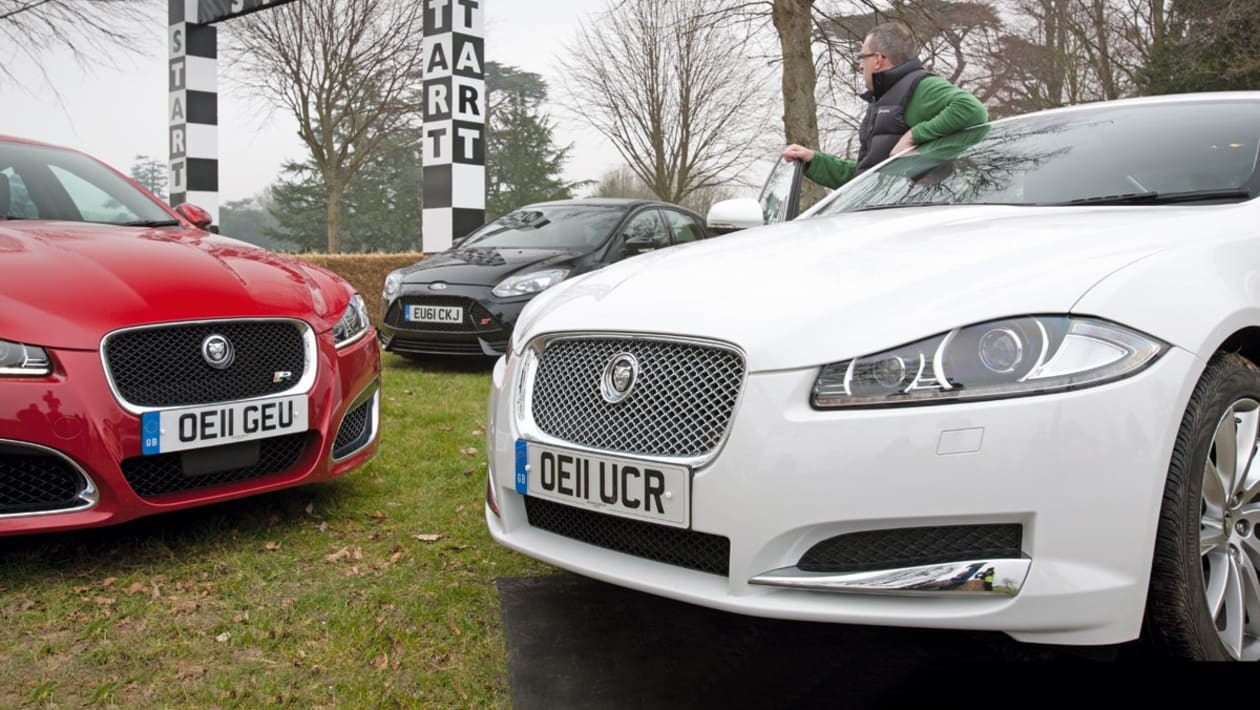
point(893, 40)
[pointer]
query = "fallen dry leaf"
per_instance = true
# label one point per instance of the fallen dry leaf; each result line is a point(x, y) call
point(395, 557)
point(108, 581)
point(377, 515)
point(429, 537)
point(272, 546)
point(134, 588)
point(353, 552)
point(443, 427)
point(223, 637)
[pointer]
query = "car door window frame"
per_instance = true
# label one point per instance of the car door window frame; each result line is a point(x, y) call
point(786, 173)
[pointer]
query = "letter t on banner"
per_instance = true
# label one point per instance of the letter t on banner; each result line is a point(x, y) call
point(454, 129)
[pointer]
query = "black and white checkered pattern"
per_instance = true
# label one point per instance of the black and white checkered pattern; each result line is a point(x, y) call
point(193, 110)
point(454, 129)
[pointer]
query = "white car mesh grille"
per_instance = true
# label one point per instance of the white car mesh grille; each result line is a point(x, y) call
point(681, 402)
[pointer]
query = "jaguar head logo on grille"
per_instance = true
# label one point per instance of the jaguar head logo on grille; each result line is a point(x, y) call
point(217, 351)
point(620, 374)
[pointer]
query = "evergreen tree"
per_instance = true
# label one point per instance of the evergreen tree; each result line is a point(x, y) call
point(150, 173)
point(523, 163)
point(381, 205)
point(248, 220)
point(1209, 45)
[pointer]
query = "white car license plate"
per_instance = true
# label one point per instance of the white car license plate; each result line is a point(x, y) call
point(655, 492)
point(212, 425)
point(435, 314)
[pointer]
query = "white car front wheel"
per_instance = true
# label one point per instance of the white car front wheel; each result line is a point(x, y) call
point(1204, 600)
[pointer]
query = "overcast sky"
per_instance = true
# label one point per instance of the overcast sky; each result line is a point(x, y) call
point(118, 113)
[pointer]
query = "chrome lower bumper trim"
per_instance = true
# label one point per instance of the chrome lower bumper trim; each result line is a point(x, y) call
point(969, 577)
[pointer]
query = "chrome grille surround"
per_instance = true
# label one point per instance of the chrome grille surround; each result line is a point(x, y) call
point(302, 384)
point(680, 410)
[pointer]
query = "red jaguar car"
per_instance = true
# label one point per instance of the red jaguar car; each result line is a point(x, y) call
point(147, 365)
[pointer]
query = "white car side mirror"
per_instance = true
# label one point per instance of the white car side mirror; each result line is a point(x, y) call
point(739, 213)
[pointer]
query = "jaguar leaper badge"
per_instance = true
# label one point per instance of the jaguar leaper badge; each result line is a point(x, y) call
point(217, 351)
point(620, 374)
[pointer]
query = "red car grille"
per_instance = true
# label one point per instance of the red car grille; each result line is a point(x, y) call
point(164, 367)
point(355, 431)
point(163, 474)
point(32, 483)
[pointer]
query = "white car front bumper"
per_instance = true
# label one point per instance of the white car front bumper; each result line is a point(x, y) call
point(1081, 473)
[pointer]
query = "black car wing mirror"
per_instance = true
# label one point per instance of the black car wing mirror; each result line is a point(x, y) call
point(640, 242)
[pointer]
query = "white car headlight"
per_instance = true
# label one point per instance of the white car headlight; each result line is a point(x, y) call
point(23, 360)
point(353, 323)
point(393, 282)
point(532, 282)
point(1001, 358)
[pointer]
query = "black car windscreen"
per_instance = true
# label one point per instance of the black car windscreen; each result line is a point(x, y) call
point(579, 228)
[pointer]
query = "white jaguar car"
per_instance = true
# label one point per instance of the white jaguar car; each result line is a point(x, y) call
point(1005, 381)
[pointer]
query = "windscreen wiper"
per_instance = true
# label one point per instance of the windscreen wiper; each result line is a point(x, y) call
point(894, 205)
point(1161, 198)
point(150, 223)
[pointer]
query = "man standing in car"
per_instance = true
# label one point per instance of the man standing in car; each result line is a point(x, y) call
point(908, 106)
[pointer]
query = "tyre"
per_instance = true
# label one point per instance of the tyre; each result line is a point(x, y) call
point(1204, 600)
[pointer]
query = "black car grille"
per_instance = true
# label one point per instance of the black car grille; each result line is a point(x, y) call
point(163, 474)
point(680, 403)
point(674, 546)
point(403, 345)
point(163, 366)
point(908, 547)
point(31, 482)
point(355, 431)
point(476, 318)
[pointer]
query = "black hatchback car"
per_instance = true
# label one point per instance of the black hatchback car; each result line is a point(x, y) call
point(465, 300)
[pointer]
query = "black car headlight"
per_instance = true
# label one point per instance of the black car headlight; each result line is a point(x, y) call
point(1002, 358)
point(23, 360)
point(353, 323)
point(533, 282)
point(393, 282)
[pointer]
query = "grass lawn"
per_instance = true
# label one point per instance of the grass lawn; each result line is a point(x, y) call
point(373, 590)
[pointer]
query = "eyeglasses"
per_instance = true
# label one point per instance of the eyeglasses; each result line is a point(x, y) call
point(860, 57)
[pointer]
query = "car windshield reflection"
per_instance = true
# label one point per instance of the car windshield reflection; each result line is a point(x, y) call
point(583, 227)
point(44, 183)
point(1174, 153)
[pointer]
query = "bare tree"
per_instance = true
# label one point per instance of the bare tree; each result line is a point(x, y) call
point(346, 70)
point(92, 31)
point(666, 86)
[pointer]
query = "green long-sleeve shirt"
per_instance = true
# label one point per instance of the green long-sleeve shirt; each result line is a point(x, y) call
point(937, 108)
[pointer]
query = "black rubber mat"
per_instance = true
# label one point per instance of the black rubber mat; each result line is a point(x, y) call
point(573, 642)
